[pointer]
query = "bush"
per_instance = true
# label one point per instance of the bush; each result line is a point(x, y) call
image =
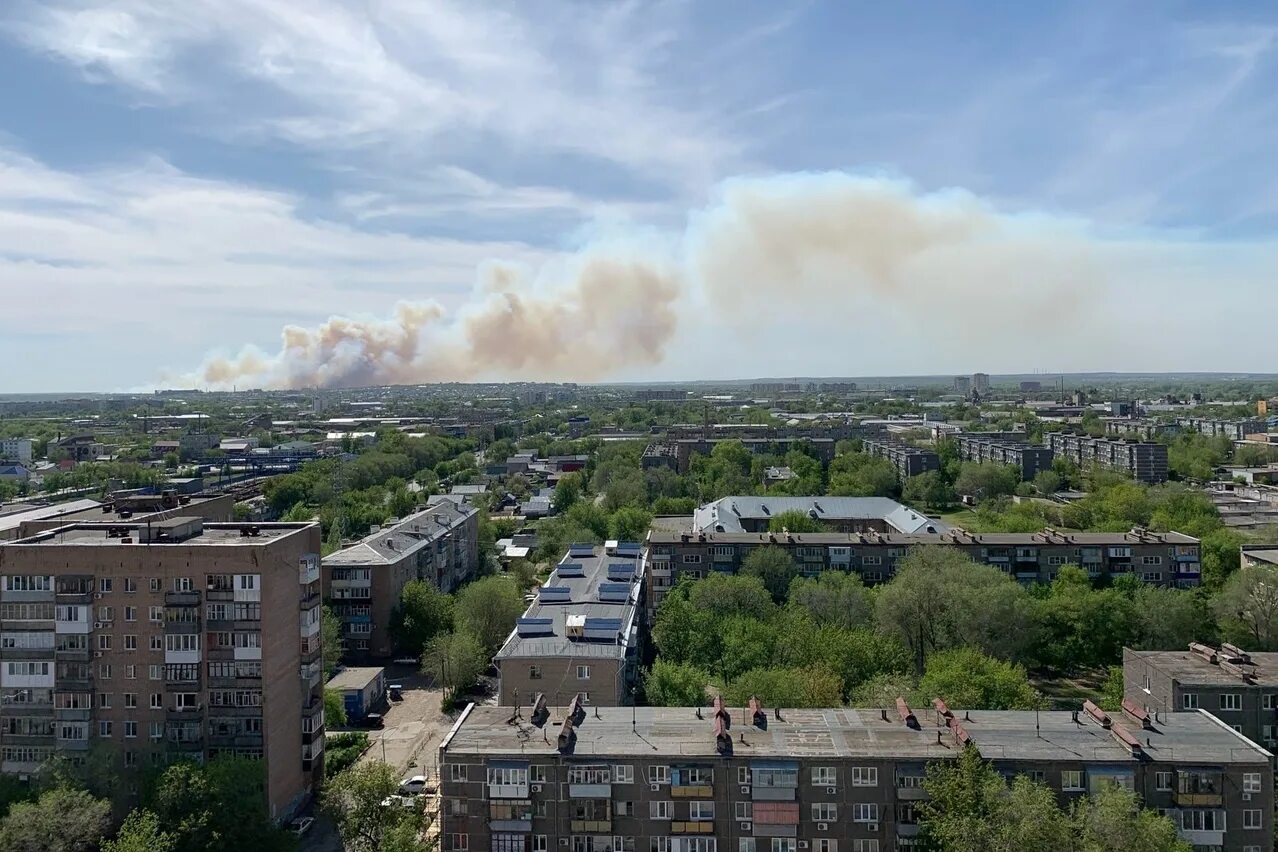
point(343, 750)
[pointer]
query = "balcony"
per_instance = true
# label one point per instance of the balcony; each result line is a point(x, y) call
point(692, 791)
point(1197, 800)
point(907, 829)
point(592, 826)
point(590, 791)
point(181, 598)
point(308, 571)
point(692, 827)
point(910, 794)
point(72, 714)
point(73, 745)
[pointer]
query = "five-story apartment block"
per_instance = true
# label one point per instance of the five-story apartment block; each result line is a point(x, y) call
point(164, 640)
point(1141, 460)
point(908, 461)
point(997, 449)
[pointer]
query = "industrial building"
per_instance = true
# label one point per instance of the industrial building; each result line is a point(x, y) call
point(1141, 460)
point(582, 633)
point(687, 779)
point(175, 639)
point(363, 582)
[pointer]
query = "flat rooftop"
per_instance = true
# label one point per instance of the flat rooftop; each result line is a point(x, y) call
point(1191, 669)
point(355, 678)
point(114, 534)
point(1194, 737)
point(549, 637)
point(397, 541)
point(72, 509)
point(1057, 539)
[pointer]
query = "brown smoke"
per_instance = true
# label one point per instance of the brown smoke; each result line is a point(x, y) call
point(815, 247)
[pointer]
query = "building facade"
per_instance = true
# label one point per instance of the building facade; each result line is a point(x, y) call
point(176, 639)
point(1162, 559)
point(363, 582)
point(1235, 430)
point(15, 450)
point(581, 636)
point(1141, 460)
point(995, 449)
point(836, 514)
point(679, 779)
point(908, 461)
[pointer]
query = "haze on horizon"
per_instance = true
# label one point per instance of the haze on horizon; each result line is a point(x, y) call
point(286, 194)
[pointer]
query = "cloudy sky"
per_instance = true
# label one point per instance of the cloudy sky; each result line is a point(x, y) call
point(631, 190)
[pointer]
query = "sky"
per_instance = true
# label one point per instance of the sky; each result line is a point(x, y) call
point(321, 192)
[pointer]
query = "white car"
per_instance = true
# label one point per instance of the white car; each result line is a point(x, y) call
point(402, 801)
point(407, 661)
point(414, 786)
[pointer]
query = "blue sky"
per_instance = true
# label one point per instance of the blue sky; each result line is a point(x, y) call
point(1094, 186)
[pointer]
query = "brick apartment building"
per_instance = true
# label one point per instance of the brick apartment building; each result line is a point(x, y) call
point(679, 779)
point(1238, 687)
point(165, 640)
point(996, 449)
point(1163, 559)
point(908, 461)
point(363, 582)
point(582, 634)
point(1141, 460)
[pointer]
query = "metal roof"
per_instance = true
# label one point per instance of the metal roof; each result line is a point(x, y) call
point(394, 543)
point(725, 515)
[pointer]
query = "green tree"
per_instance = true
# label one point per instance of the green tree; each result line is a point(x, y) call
point(929, 489)
point(141, 832)
point(423, 613)
point(873, 477)
point(774, 567)
point(815, 686)
point(1171, 618)
point(1048, 482)
point(794, 521)
point(567, 492)
point(833, 598)
point(964, 677)
point(1247, 607)
point(669, 684)
point(454, 660)
point(1111, 818)
point(629, 524)
point(488, 609)
point(331, 644)
point(334, 709)
point(220, 805)
point(1083, 627)
point(987, 481)
point(353, 799)
point(61, 820)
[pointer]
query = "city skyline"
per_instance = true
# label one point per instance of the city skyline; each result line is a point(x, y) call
point(813, 191)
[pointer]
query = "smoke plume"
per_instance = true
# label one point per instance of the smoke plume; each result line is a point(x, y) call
point(814, 246)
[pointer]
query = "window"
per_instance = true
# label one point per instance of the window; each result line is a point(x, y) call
point(130, 585)
point(157, 730)
point(825, 844)
point(104, 728)
point(1056, 560)
point(700, 811)
point(865, 812)
point(589, 774)
point(157, 643)
point(155, 584)
point(538, 774)
point(130, 613)
point(1189, 701)
point(1162, 781)
point(1151, 560)
point(182, 584)
point(745, 844)
point(458, 842)
point(155, 672)
point(824, 812)
point(157, 701)
point(1251, 782)
point(534, 672)
point(130, 730)
point(104, 585)
point(130, 699)
point(743, 775)
point(659, 774)
point(1269, 700)
point(156, 614)
point(659, 844)
point(104, 642)
point(457, 772)
point(1231, 701)
point(660, 810)
point(824, 776)
point(624, 808)
point(692, 559)
point(583, 672)
point(182, 642)
point(1072, 779)
point(865, 776)
point(744, 810)
point(623, 773)
point(104, 700)
point(783, 844)
point(1195, 819)
point(539, 843)
point(130, 642)
point(26, 583)
point(1253, 818)
point(865, 845)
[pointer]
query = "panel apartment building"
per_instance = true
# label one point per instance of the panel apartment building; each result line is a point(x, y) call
point(683, 779)
point(1235, 430)
point(1238, 687)
point(582, 634)
point(1141, 460)
point(908, 461)
point(1162, 559)
point(363, 582)
point(997, 449)
point(836, 514)
point(177, 639)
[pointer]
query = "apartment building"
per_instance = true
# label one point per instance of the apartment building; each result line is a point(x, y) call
point(581, 636)
point(908, 461)
point(1029, 459)
point(132, 507)
point(176, 639)
point(1238, 687)
point(1141, 460)
point(684, 779)
point(19, 450)
point(1162, 559)
point(837, 514)
point(363, 582)
point(1235, 430)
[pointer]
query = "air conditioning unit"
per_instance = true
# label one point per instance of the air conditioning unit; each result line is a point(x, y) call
point(97, 653)
point(97, 625)
point(1246, 797)
point(831, 790)
point(803, 844)
point(536, 788)
point(823, 826)
point(874, 826)
point(745, 788)
point(745, 826)
point(654, 787)
point(97, 596)
point(563, 841)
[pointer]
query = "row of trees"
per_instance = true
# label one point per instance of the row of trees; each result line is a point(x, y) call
point(943, 626)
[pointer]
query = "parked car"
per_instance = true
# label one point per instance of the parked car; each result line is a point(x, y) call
point(407, 661)
point(396, 692)
point(302, 825)
point(413, 786)
point(373, 720)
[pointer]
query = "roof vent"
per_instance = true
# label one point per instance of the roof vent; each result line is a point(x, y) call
point(1098, 714)
point(906, 714)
